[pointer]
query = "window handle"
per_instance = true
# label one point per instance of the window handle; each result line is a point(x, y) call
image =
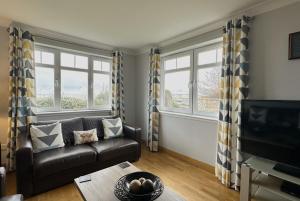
point(195, 84)
point(56, 83)
point(190, 85)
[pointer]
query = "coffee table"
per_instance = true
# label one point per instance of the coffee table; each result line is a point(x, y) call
point(101, 186)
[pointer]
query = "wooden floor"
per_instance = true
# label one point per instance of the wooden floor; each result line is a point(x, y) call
point(187, 179)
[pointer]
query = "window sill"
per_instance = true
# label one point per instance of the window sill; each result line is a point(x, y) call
point(72, 111)
point(70, 114)
point(189, 116)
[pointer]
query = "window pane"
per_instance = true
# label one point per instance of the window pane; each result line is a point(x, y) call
point(207, 57)
point(44, 87)
point(97, 65)
point(48, 58)
point(81, 62)
point(208, 90)
point(67, 60)
point(105, 66)
point(74, 90)
point(170, 64)
point(177, 90)
point(37, 56)
point(219, 55)
point(101, 89)
point(183, 62)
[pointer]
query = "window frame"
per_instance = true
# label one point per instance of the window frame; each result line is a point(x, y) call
point(193, 88)
point(196, 68)
point(164, 72)
point(91, 78)
point(57, 77)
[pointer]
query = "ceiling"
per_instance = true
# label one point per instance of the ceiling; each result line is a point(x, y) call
point(129, 24)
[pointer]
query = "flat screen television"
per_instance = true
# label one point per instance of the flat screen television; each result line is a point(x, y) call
point(271, 129)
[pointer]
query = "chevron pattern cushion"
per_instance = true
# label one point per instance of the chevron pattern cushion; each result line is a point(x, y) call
point(112, 128)
point(81, 137)
point(46, 137)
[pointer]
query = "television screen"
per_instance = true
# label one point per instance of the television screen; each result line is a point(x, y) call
point(271, 129)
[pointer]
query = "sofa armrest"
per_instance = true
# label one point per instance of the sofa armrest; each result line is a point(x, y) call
point(133, 133)
point(24, 150)
point(2, 181)
point(24, 164)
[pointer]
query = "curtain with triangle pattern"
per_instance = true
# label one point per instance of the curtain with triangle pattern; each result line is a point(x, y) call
point(153, 104)
point(118, 103)
point(21, 88)
point(233, 88)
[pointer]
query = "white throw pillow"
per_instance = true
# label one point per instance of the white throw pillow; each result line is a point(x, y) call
point(81, 137)
point(45, 137)
point(112, 128)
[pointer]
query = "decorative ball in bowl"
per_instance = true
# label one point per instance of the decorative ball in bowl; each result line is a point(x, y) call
point(141, 186)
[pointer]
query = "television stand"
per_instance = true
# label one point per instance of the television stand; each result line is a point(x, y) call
point(288, 169)
point(259, 180)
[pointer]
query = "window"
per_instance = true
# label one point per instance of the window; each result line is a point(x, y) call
point(190, 81)
point(177, 78)
point(101, 83)
point(70, 81)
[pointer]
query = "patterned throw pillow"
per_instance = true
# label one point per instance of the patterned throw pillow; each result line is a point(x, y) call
point(46, 137)
point(82, 137)
point(112, 128)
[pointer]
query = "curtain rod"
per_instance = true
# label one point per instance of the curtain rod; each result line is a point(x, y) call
point(68, 42)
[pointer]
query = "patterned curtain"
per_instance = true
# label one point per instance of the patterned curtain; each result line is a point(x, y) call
point(21, 88)
point(118, 105)
point(154, 95)
point(233, 88)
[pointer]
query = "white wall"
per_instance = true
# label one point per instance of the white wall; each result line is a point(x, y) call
point(193, 137)
point(142, 72)
point(130, 88)
point(273, 76)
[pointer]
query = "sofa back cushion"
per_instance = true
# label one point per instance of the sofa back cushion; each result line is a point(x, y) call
point(46, 137)
point(90, 123)
point(67, 126)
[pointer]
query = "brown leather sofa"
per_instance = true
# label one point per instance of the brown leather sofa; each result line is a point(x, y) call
point(39, 172)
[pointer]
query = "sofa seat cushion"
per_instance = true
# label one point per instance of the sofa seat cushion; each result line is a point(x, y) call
point(55, 160)
point(115, 148)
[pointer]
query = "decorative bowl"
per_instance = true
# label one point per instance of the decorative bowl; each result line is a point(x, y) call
point(123, 193)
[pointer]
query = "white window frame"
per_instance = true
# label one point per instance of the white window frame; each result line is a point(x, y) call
point(193, 110)
point(57, 77)
point(196, 67)
point(164, 72)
